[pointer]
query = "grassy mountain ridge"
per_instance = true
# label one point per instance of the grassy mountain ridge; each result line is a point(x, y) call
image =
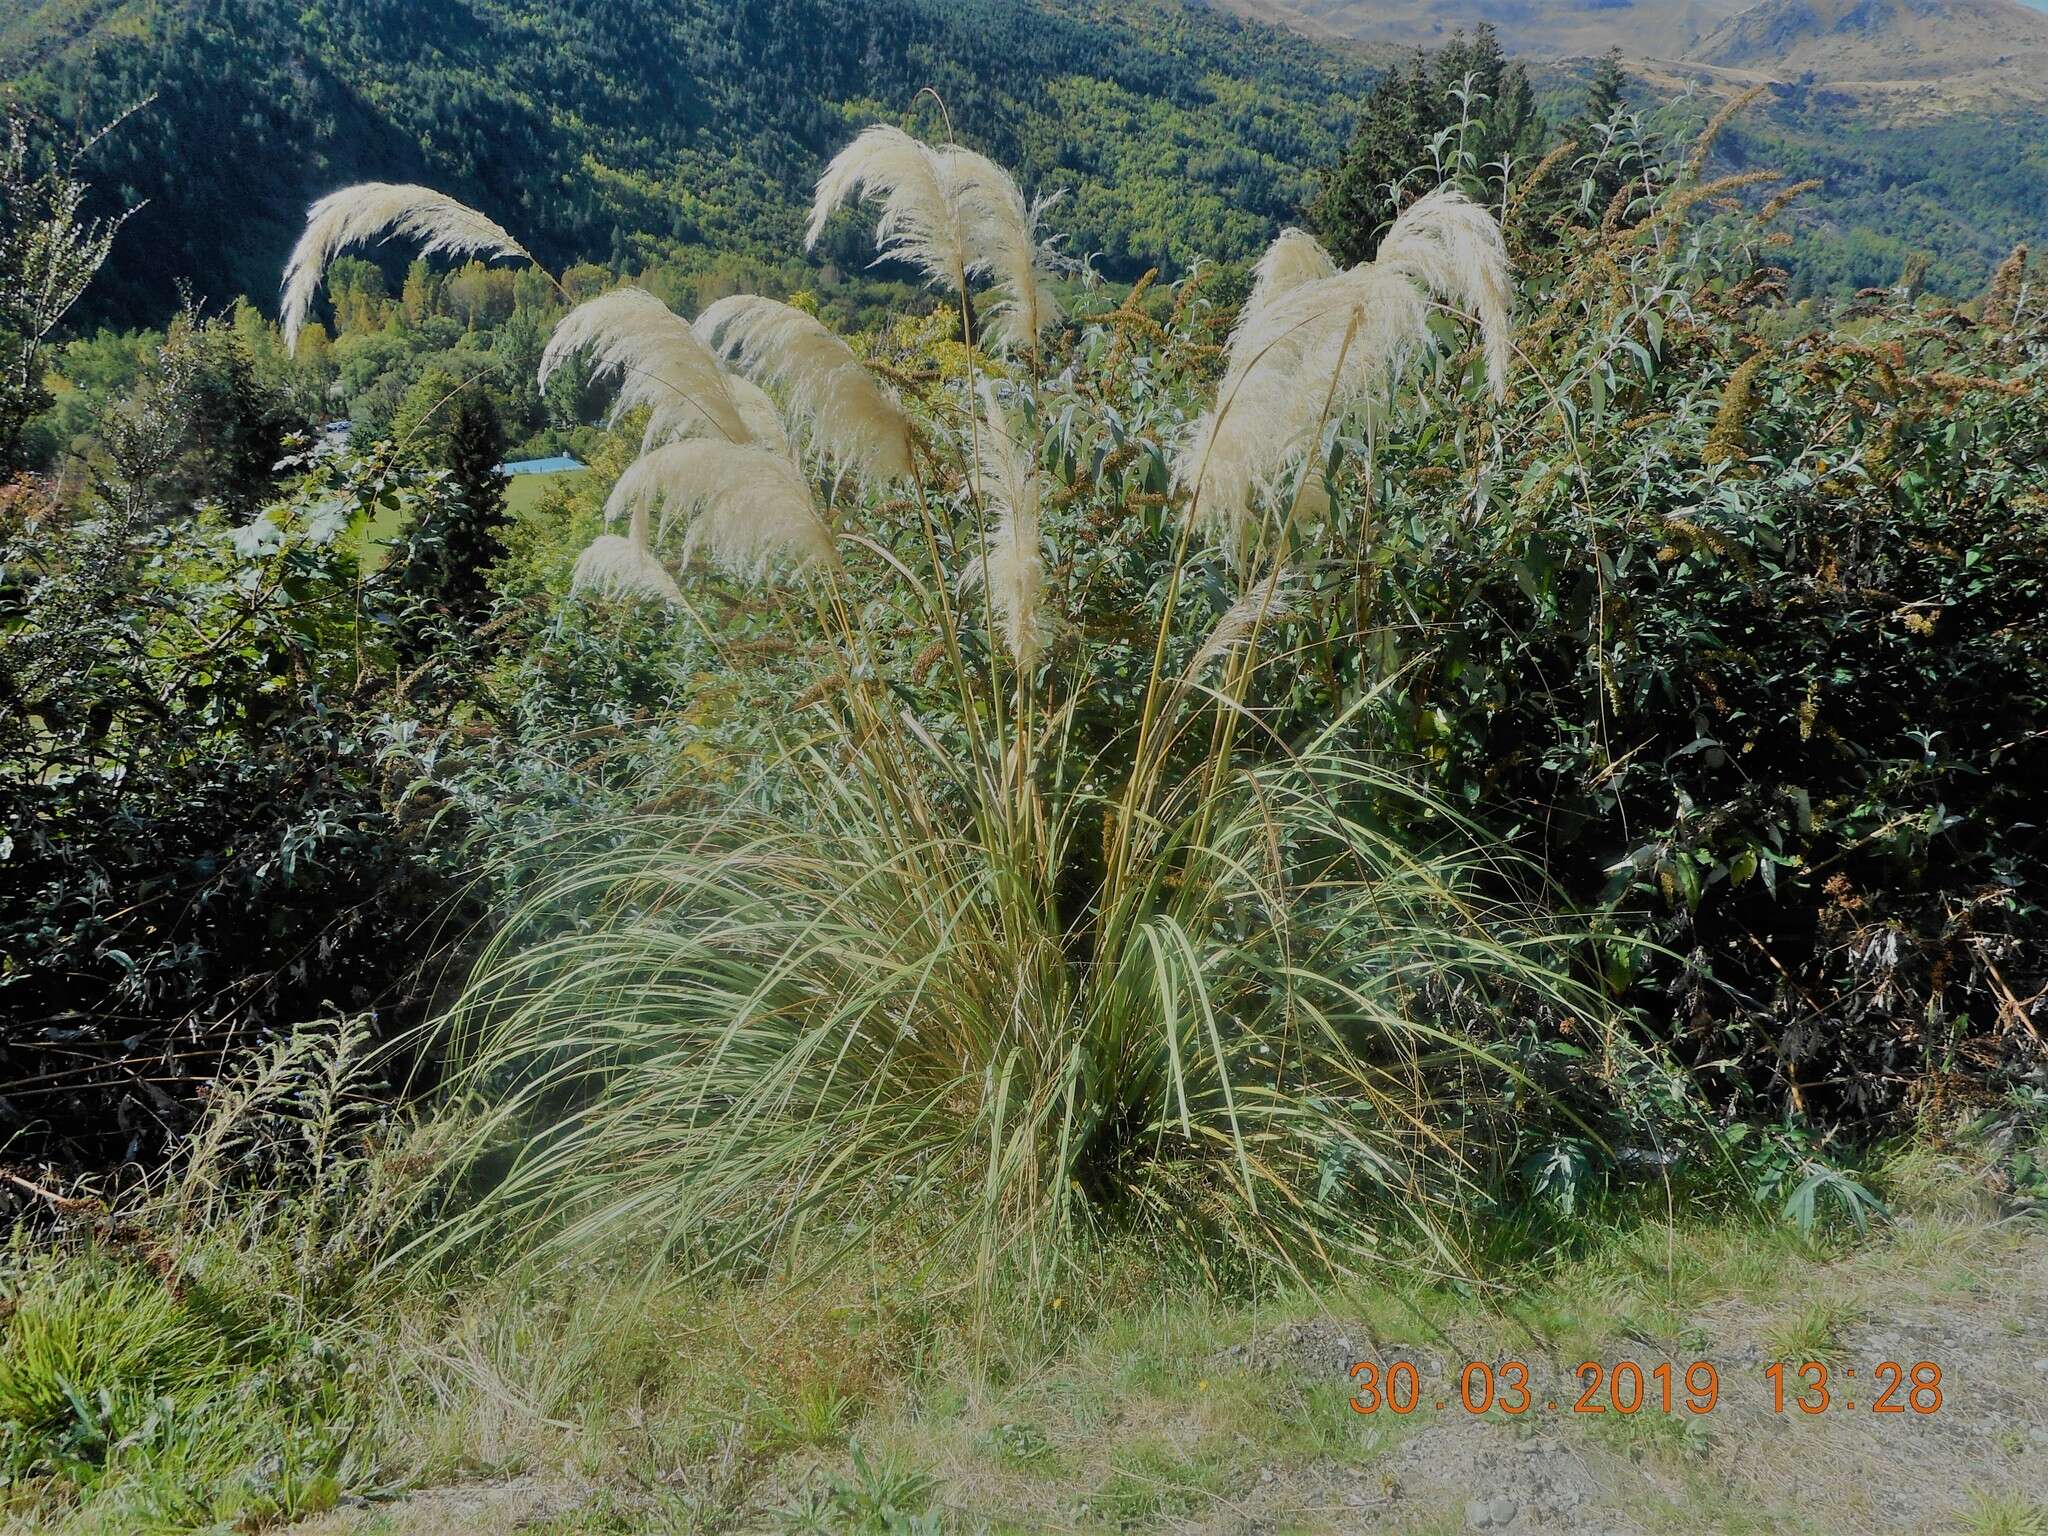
point(701, 123)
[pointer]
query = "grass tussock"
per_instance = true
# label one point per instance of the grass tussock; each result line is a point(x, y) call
point(986, 946)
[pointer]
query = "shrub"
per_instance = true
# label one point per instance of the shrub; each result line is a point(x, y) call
point(1738, 642)
point(197, 853)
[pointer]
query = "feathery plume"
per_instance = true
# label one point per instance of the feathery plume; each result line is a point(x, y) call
point(1295, 257)
point(1004, 232)
point(927, 217)
point(844, 410)
point(660, 361)
point(1013, 566)
point(758, 411)
point(1271, 601)
point(615, 565)
point(378, 209)
point(1452, 248)
point(954, 214)
point(748, 508)
point(1307, 357)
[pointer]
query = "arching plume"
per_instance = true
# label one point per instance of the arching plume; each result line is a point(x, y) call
point(759, 412)
point(382, 210)
point(927, 217)
point(659, 360)
point(677, 420)
point(1005, 236)
point(954, 214)
point(1311, 348)
point(747, 508)
point(1013, 566)
point(844, 410)
point(618, 566)
point(1270, 601)
point(1453, 249)
point(1295, 257)
point(1309, 356)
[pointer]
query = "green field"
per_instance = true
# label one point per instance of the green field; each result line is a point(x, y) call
point(522, 494)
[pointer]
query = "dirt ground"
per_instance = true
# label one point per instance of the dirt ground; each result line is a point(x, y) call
point(1972, 1299)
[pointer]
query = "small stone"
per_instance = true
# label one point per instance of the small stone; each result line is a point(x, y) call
point(1265, 1474)
point(1502, 1508)
point(1479, 1513)
point(2041, 1365)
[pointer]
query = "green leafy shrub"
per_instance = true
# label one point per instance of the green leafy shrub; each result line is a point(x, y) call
point(196, 851)
point(1739, 640)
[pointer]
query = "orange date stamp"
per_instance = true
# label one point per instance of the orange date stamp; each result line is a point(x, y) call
point(1806, 1387)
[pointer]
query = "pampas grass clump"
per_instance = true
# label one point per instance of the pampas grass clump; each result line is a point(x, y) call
point(1036, 978)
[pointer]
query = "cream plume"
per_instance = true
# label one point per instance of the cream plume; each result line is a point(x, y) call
point(748, 508)
point(1013, 565)
point(660, 362)
point(374, 210)
point(1310, 349)
point(954, 214)
point(846, 412)
point(927, 217)
point(1295, 257)
point(1270, 602)
point(1452, 248)
point(1308, 357)
point(620, 567)
point(1005, 235)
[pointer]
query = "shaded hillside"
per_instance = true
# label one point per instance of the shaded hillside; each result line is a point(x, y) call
point(1542, 29)
point(615, 130)
point(1883, 40)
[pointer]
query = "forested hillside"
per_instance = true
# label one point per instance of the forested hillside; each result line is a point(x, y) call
point(621, 131)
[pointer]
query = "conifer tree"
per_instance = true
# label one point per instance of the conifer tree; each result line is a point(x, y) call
point(1398, 125)
point(444, 556)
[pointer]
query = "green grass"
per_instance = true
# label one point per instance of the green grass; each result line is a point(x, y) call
point(523, 494)
point(200, 1374)
point(2003, 1515)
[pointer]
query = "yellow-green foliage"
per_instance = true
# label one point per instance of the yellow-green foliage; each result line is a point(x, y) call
point(1725, 440)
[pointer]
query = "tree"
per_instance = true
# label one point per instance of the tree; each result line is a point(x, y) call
point(443, 557)
point(1589, 130)
point(1357, 199)
point(49, 255)
point(476, 454)
point(1469, 112)
point(1604, 91)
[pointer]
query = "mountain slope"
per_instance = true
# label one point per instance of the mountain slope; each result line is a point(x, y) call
point(1980, 51)
point(1539, 29)
point(623, 130)
point(1883, 40)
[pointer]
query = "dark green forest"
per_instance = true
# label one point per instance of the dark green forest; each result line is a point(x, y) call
point(625, 133)
point(685, 132)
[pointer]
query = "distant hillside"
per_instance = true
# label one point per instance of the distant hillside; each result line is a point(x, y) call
point(1926, 119)
point(1998, 43)
point(623, 130)
point(632, 132)
point(1905, 56)
point(1537, 29)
